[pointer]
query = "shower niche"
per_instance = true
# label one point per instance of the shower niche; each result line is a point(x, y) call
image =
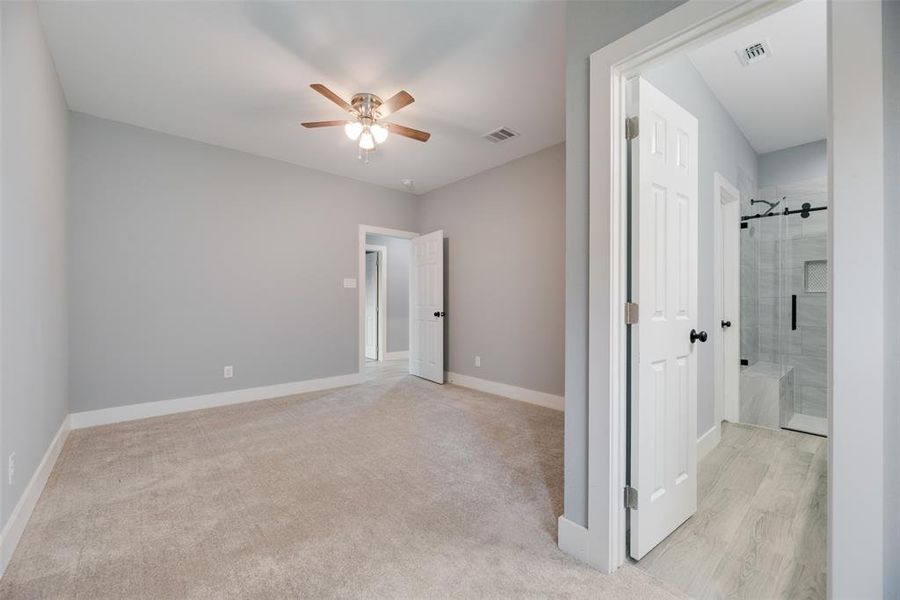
point(784, 283)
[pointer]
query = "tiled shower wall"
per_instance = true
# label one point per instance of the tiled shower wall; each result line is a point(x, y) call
point(776, 258)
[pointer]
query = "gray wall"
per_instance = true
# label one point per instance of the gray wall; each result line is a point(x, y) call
point(504, 245)
point(34, 387)
point(723, 149)
point(187, 257)
point(891, 27)
point(397, 294)
point(790, 165)
point(589, 26)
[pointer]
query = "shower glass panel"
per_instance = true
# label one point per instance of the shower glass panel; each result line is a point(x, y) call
point(804, 285)
point(784, 275)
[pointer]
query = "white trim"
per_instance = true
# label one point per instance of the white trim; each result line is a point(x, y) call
point(508, 391)
point(680, 29)
point(12, 532)
point(382, 296)
point(143, 410)
point(573, 539)
point(399, 355)
point(709, 440)
point(856, 302)
point(361, 275)
point(722, 410)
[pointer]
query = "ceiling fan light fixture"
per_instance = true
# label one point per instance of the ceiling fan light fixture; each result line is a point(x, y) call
point(353, 129)
point(379, 132)
point(366, 141)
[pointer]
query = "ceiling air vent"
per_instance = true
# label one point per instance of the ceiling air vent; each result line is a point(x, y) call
point(500, 135)
point(754, 53)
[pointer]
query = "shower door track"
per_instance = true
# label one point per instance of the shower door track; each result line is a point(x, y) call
point(801, 211)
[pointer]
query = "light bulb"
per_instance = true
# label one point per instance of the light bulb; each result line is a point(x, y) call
point(380, 133)
point(353, 129)
point(365, 140)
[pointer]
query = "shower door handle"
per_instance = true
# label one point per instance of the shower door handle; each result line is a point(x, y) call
point(794, 312)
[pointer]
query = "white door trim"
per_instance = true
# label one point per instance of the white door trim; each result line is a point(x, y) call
point(382, 296)
point(726, 405)
point(856, 171)
point(361, 277)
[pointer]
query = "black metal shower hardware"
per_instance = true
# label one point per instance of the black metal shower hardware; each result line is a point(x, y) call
point(771, 205)
point(803, 211)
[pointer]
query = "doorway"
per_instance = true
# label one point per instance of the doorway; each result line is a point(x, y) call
point(855, 248)
point(401, 303)
point(713, 159)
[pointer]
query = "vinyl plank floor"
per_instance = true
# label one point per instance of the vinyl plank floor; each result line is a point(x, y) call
point(759, 531)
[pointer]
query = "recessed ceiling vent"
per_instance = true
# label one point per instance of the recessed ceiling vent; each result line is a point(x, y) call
point(500, 135)
point(754, 53)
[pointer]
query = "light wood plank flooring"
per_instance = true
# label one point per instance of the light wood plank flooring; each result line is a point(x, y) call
point(760, 527)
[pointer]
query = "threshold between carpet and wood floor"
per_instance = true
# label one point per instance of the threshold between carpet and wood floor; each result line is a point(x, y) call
point(392, 488)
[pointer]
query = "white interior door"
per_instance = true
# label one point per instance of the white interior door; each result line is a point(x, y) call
point(426, 340)
point(372, 305)
point(664, 285)
point(729, 349)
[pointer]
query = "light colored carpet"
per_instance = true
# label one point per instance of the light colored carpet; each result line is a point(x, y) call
point(396, 488)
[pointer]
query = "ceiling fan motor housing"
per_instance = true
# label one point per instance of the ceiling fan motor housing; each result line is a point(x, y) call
point(366, 105)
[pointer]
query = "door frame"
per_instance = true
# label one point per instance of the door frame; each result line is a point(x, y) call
point(856, 170)
point(381, 297)
point(726, 407)
point(361, 277)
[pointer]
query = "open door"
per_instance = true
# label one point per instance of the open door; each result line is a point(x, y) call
point(426, 340)
point(663, 435)
point(372, 278)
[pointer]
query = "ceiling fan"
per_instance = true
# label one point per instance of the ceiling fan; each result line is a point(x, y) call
point(367, 111)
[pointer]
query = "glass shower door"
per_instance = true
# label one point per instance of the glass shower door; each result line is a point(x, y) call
point(803, 326)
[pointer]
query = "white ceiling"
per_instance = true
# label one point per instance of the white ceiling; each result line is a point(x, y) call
point(238, 74)
point(780, 101)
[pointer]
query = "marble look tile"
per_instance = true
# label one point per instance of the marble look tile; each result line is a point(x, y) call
point(814, 341)
point(811, 310)
point(808, 371)
point(812, 400)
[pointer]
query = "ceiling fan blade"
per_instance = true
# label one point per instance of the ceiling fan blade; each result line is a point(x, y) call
point(409, 132)
point(313, 124)
point(332, 96)
point(395, 103)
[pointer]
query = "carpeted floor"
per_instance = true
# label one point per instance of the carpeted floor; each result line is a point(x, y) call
point(396, 488)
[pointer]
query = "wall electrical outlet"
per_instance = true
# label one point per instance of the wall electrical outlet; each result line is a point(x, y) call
point(229, 372)
point(477, 361)
point(11, 467)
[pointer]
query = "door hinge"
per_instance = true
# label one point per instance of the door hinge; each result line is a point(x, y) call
point(631, 313)
point(631, 128)
point(631, 497)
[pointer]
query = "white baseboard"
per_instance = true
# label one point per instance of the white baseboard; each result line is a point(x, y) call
point(130, 412)
point(573, 539)
point(708, 441)
point(12, 532)
point(509, 391)
point(402, 354)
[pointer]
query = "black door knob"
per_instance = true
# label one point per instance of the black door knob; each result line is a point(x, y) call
point(438, 314)
point(702, 336)
point(726, 324)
